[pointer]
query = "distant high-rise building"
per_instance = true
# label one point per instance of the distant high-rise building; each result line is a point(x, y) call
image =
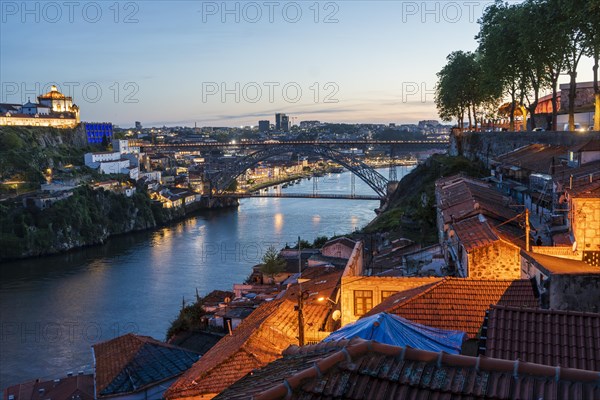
point(138, 125)
point(263, 126)
point(285, 123)
point(278, 121)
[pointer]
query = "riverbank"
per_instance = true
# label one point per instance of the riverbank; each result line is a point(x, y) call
point(87, 218)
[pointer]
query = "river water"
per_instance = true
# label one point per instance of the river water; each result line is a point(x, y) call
point(53, 309)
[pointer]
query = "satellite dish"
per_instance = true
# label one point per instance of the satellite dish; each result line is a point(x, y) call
point(337, 314)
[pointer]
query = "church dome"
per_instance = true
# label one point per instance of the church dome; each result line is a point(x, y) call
point(52, 94)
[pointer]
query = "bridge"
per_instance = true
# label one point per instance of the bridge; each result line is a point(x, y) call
point(276, 143)
point(222, 179)
point(300, 196)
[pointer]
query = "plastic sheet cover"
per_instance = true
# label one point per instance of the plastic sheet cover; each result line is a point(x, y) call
point(398, 331)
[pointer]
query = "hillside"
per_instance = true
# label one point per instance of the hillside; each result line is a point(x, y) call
point(411, 213)
point(26, 153)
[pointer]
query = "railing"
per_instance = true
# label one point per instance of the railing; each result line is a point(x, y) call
point(302, 196)
point(557, 251)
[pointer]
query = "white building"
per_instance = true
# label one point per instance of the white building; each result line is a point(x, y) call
point(93, 160)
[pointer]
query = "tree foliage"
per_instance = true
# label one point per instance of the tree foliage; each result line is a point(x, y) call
point(272, 263)
point(523, 48)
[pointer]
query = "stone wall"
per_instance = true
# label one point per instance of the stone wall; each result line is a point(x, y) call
point(500, 260)
point(575, 292)
point(377, 285)
point(486, 145)
point(585, 214)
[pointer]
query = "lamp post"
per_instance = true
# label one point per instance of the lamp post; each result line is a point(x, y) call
point(300, 306)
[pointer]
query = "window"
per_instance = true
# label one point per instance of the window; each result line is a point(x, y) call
point(387, 293)
point(363, 301)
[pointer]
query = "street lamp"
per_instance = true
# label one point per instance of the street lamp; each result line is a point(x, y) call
point(328, 299)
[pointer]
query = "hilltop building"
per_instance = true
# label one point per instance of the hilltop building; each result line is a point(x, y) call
point(53, 109)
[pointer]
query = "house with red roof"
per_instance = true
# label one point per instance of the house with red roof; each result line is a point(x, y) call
point(458, 304)
point(137, 367)
point(550, 337)
point(478, 229)
point(263, 335)
point(361, 369)
point(71, 387)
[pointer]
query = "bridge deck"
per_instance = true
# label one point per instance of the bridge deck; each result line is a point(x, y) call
point(196, 144)
point(302, 196)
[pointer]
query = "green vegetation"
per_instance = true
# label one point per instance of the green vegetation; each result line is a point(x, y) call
point(272, 264)
point(523, 48)
point(87, 217)
point(26, 153)
point(411, 213)
point(316, 244)
point(188, 318)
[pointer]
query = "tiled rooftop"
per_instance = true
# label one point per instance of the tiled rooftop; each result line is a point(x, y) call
point(475, 232)
point(130, 363)
point(360, 369)
point(460, 197)
point(77, 387)
point(587, 190)
point(566, 338)
point(260, 338)
point(534, 157)
point(457, 303)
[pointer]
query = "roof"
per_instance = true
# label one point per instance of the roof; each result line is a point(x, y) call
point(550, 337)
point(589, 190)
point(361, 369)
point(592, 145)
point(260, 338)
point(342, 240)
point(130, 363)
point(461, 197)
point(53, 94)
point(197, 341)
point(535, 157)
point(560, 266)
point(398, 331)
point(457, 303)
point(475, 232)
point(77, 387)
point(217, 296)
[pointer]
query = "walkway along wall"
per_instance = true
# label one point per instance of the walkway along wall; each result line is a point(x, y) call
point(486, 145)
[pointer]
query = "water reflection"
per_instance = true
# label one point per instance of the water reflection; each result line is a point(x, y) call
point(53, 309)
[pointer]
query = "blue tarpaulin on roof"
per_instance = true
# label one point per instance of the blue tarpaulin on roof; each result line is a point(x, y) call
point(398, 331)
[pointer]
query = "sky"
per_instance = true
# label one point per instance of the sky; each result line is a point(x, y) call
point(232, 63)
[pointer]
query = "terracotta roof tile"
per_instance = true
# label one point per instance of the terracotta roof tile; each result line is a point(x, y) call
point(360, 369)
point(551, 337)
point(77, 387)
point(534, 157)
point(462, 197)
point(457, 303)
point(131, 362)
point(475, 232)
point(260, 338)
point(587, 190)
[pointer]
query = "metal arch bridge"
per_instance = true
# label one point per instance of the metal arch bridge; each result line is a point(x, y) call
point(223, 179)
point(276, 143)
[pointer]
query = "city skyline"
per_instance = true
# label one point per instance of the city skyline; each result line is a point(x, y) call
point(235, 63)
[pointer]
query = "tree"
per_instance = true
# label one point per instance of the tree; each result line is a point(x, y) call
point(272, 264)
point(569, 22)
point(502, 58)
point(532, 28)
point(591, 32)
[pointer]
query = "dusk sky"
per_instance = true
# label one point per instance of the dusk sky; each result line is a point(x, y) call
point(167, 63)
